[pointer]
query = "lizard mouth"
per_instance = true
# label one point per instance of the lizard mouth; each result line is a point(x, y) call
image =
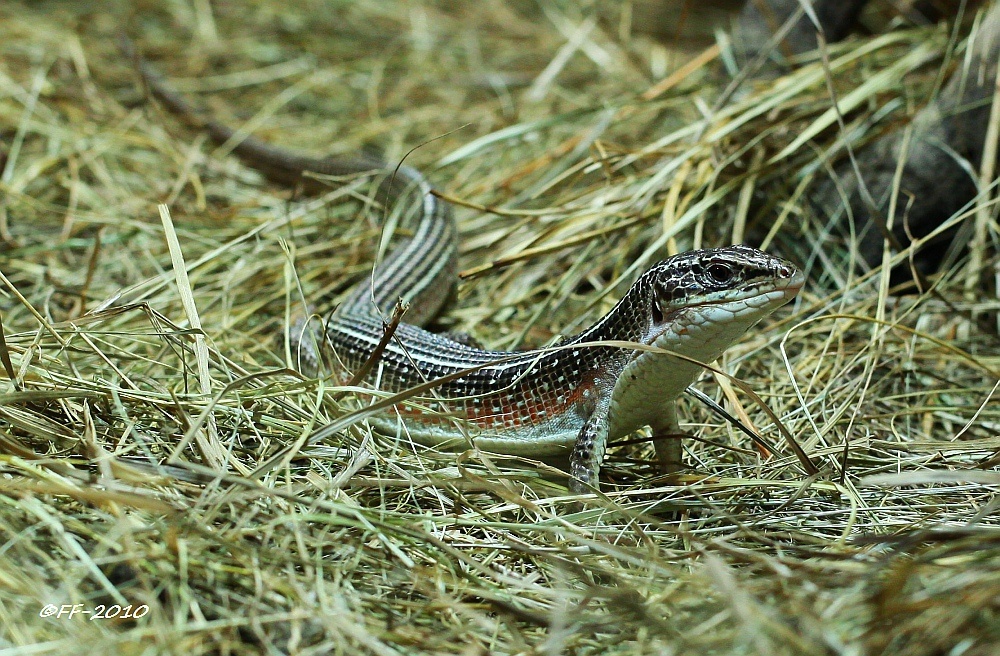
point(782, 290)
point(739, 314)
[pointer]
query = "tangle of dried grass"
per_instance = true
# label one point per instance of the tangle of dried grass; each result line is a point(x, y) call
point(132, 334)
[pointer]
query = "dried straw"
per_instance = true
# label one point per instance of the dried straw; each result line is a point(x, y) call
point(136, 334)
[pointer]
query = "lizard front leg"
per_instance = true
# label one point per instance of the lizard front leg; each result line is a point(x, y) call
point(588, 452)
point(667, 442)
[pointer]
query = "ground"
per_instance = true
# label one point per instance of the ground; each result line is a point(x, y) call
point(150, 280)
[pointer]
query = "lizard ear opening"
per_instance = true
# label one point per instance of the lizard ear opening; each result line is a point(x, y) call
point(655, 311)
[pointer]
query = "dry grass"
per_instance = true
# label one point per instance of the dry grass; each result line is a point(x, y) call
point(368, 545)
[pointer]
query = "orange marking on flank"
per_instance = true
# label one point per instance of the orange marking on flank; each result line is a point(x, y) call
point(534, 410)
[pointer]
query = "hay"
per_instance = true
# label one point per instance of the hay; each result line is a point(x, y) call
point(536, 114)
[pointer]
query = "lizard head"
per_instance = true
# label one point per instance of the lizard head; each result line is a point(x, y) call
point(730, 282)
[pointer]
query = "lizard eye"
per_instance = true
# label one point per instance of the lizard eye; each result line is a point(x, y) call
point(719, 273)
